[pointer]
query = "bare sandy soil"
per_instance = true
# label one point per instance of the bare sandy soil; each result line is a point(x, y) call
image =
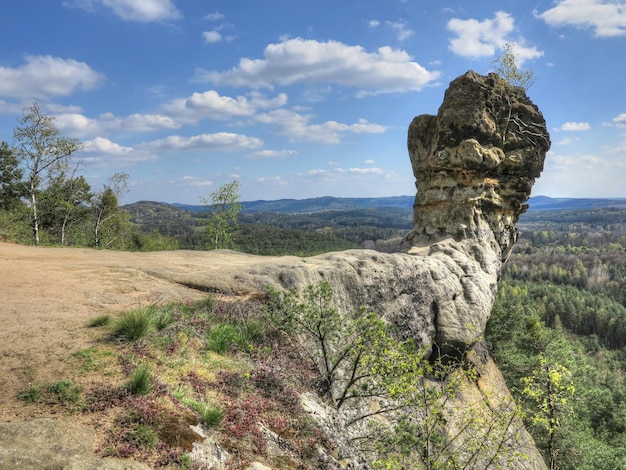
point(47, 296)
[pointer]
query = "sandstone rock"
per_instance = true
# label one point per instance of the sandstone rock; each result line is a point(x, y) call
point(47, 443)
point(476, 162)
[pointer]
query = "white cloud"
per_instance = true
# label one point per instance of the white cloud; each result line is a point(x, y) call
point(210, 104)
point(78, 125)
point(606, 17)
point(575, 126)
point(374, 23)
point(272, 181)
point(222, 141)
point(106, 153)
point(566, 141)
point(144, 11)
point(44, 77)
point(399, 27)
point(175, 114)
point(369, 162)
point(620, 120)
point(273, 153)
point(299, 60)
point(299, 128)
point(484, 38)
point(366, 171)
point(211, 37)
point(215, 16)
point(102, 145)
point(195, 181)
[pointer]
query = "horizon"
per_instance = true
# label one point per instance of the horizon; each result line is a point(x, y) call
point(363, 197)
point(303, 100)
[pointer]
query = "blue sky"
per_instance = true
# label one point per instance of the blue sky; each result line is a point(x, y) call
point(304, 99)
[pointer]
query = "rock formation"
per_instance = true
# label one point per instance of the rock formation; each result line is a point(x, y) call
point(474, 163)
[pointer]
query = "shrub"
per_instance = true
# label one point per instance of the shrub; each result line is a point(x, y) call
point(135, 324)
point(139, 382)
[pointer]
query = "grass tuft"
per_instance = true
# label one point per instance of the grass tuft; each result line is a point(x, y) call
point(135, 324)
point(210, 415)
point(101, 320)
point(223, 336)
point(139, 382)
point(29, 395)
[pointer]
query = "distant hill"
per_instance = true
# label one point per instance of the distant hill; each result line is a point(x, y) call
point(328, 203)
point(545, 203)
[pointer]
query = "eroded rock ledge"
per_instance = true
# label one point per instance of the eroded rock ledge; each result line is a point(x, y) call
point(475, 163)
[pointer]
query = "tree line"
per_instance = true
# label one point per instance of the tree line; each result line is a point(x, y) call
point(43, 199)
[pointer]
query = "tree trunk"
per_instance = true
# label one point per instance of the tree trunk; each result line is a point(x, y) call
point(33, 199)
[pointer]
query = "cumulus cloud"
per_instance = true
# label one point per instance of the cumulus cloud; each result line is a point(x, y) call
point(620, 120)
point(210, 104)
point(78, 125)
point(221, 141)
point(101, 151)
point(143, 11)
point(43, 77)
point(211, 37)
point(606, 17)
point(215, 16)
point(102, 145)
point(297, 61)
point(484, 38)
point(298, 127)
point(173, 115)
point(575, 126)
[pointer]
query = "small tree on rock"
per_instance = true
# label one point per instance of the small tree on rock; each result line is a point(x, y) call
point(507, 66)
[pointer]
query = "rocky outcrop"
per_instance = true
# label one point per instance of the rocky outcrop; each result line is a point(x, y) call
point(475, 163)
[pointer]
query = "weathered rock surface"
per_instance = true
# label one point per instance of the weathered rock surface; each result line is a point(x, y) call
point(54, 444)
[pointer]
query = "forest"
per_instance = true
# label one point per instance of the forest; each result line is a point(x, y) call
point(561, 303)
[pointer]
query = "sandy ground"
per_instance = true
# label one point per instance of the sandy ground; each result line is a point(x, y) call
point(47, 296)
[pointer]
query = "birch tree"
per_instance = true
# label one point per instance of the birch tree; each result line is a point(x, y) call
point(40, 150)
point(224, 207)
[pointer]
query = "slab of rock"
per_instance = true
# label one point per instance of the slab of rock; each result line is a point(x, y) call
point(54, 444)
